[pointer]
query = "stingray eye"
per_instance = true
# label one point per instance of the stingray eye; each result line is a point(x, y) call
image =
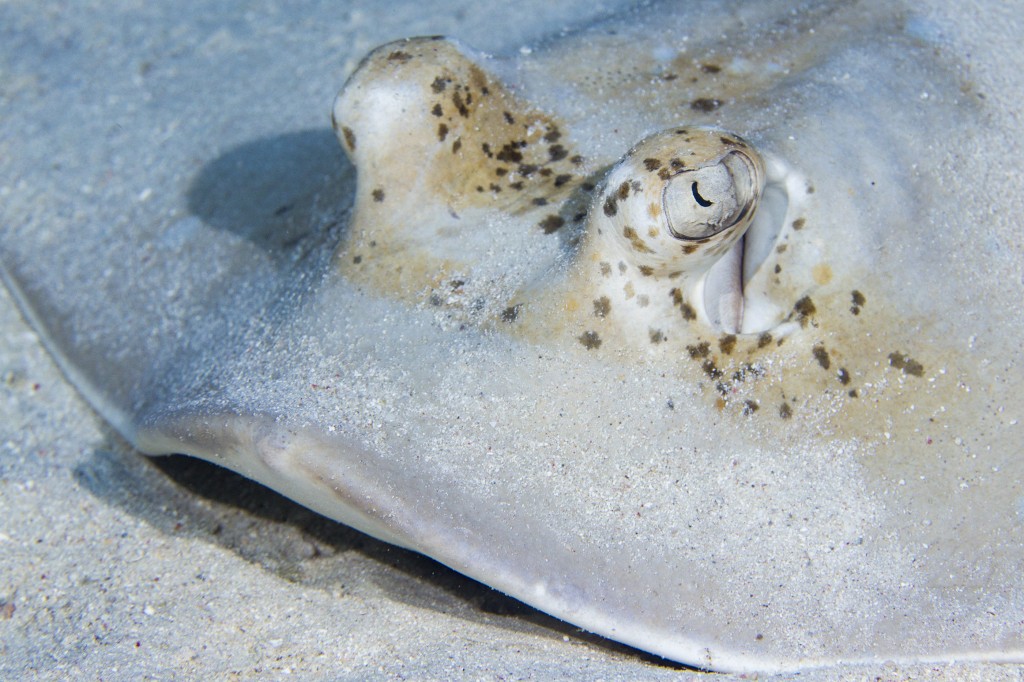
point(702, 202)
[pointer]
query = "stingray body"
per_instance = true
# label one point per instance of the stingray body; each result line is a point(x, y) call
point(788, 439)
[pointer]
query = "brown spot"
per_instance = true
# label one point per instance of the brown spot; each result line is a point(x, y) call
point(657, 336)
point(646, 270)
point(442, 132)
point(701, 350)
point(750, 407)
point(602, 306)
point(439, 84)
point(799, 223)
point(623, 191)
point(557, 152)
point(821, 355)
point(690, 248)
point(778, 268)
point(804, 308)
point(437, 110)
point(705, 105)
point(688, 312)
point(606, 269)
point(350, 137)
point(710, 369)
point(710, 68)
point(457, 145)
point(508, 118)
point(785, 411)
point(635, 241)
point(727, 344)
point(576, 160)
point(652, 164)
point(552, 223)
point(907, 364)
point(590, 340)
point(764, 339)
point(843, 376)
point(858, 302)
point(378, 195)
point(399, 56)
point(357, 260)
point(677, 164)
point(822, 274)
point(511, 313)
point(509, 153)
point(539, 201)
point(611, 206)
point(460, 105)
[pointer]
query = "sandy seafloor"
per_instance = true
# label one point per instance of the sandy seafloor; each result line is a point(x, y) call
point(114, 566)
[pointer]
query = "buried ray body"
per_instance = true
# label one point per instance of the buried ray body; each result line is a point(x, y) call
point(731, 400)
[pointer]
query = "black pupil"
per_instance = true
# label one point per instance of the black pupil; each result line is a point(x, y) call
point(698, 198)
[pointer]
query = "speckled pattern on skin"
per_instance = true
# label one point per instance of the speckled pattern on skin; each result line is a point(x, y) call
point(498, 162)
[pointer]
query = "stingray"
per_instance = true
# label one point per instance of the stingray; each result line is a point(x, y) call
point(697, 326)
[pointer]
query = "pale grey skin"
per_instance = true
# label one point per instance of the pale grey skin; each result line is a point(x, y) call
point(853, 494)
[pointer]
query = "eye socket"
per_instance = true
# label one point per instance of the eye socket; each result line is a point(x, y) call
point(705, 201)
